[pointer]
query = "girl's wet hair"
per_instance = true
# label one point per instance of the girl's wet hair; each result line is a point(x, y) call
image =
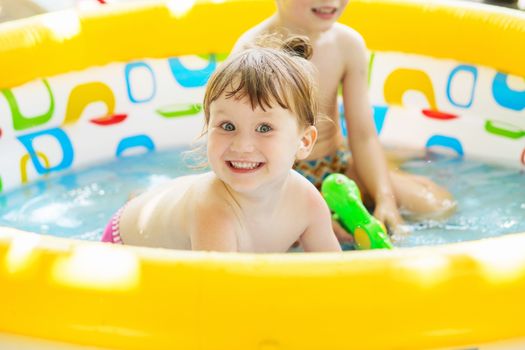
point(273, 71)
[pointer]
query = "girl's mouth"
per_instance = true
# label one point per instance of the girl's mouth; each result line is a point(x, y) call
point(244, 166)
point(325, 12)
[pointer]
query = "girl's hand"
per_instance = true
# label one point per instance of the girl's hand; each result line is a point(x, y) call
point(386, 211)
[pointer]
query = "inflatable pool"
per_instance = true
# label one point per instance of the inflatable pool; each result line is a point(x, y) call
point(80, 89)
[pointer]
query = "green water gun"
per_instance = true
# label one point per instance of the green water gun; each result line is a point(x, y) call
point(344, 199)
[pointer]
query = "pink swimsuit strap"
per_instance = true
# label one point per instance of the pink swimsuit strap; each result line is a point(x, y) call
point(112, 231)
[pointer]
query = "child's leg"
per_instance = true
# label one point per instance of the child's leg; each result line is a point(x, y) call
point(417, 196)
point(421, 197)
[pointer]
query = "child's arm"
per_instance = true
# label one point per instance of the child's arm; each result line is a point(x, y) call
point(213, 228)
point(240, 44)
point(370, 163)
point(319, 235)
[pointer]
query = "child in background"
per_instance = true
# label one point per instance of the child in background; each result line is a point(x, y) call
point(339, 53)
point(260, 109)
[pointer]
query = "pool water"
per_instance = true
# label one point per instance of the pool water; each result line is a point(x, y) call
point(491, 199)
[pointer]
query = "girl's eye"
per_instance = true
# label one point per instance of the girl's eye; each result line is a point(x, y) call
point(228, 126)
point(263, 128)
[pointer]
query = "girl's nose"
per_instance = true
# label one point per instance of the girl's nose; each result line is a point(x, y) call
point(242, 143)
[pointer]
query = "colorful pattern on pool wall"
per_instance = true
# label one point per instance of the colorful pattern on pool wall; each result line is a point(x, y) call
point(444, 100)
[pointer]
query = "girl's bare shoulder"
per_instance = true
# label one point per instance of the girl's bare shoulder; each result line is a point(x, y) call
point(250, 36)
point(208, 194)
point(305, 192)
point(348, 36)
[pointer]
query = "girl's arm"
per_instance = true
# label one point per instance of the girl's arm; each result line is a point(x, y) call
point(213, 228)
point(319, 235)
point(369, 160)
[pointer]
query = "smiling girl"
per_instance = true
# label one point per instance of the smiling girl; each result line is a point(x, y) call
point(260, 112)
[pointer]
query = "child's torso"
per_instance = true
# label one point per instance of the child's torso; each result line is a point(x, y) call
point(156, 218)
point(162, 217)
point(328, 61)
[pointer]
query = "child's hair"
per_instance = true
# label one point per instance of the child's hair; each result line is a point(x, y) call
point(273, 71)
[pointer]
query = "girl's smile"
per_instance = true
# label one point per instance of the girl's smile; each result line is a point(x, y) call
point(325, 12)
point(244, 166)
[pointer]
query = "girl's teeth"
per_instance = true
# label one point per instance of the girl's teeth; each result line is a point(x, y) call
point(244, 165)
point(325, 10)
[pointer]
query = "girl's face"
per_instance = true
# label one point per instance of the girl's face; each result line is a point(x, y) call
point(250, 149)
point(310, 16)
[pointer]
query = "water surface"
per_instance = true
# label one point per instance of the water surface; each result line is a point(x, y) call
point(491, 199)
